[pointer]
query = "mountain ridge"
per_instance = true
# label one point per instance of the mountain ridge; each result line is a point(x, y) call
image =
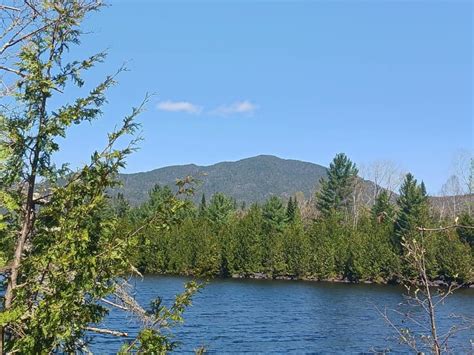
point(251, 179)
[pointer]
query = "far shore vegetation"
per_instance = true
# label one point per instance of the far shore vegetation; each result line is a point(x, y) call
point(334, 236)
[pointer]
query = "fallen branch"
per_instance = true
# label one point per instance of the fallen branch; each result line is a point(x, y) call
point(114, 304)
point(107, 331)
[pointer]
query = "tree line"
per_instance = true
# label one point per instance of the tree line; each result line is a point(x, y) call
point(219, 237)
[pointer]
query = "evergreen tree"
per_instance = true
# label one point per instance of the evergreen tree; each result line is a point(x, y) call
point(290, 210)
point(382, 210)
point(274, 214)
point(336, 189)
point(248, 235)
point(122, 207)
point(466, 234)
point(202, 206)
point(412, 207)
point(220, 208)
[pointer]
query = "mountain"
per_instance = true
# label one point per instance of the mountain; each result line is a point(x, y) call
point(250, 180)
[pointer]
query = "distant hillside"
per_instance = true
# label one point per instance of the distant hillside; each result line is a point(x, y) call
point(250, 180)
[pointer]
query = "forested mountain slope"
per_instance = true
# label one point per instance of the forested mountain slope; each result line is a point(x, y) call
point(250, 180)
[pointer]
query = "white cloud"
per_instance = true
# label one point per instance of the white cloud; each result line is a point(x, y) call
point(179, 106)
point(239, 107)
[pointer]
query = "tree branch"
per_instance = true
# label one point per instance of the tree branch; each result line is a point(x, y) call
point(107, 331)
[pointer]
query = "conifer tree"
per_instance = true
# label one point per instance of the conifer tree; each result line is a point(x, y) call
point(290, 210)
point(336, 189)
point(466, 234)
point(122, 206)
point(202, 206)
point(274, 214)
point(382, 210)
point(412, 206)
point(220, 208)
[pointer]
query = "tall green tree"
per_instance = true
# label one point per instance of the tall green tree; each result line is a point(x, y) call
point(291, 209)
point(336, 189)
point(412, 207)
point(247, 244)
point(67, 253)
point(220, 208)
point(202, 206)
point(274, 214)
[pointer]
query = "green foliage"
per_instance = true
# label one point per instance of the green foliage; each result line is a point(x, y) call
point(220, 208)
point(292, 210)
point(274, 214)
point(296, 246)
point(66, 248)
point(152, 340)
point(335, 190)
point(372, 256)
point(412, 207)
point(466, 234)
point(249, 180)
point(383, 210)
point(446, 255)
point(263, 242)
point(202, 206)
point(247, 241)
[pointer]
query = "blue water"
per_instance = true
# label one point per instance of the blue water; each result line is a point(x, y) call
point(286, 316)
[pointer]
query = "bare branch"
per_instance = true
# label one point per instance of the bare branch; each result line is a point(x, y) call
point(107, 331)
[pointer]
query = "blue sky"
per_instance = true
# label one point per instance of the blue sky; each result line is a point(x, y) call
point(297, 79)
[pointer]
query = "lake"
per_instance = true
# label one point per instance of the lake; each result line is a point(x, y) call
point(265, 316)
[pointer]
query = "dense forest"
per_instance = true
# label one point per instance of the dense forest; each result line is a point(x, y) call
point(339, 240)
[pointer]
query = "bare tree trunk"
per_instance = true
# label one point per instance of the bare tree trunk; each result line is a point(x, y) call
point(431, 309)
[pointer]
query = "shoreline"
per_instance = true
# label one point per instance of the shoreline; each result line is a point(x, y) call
point(334, 280)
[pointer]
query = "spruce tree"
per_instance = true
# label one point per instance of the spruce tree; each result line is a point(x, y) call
point(382, 210)
point(202, 206)
point(336, 189)
point(290, 210)
point(413, 206)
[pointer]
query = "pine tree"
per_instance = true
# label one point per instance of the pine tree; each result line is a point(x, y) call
point(335, 190)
